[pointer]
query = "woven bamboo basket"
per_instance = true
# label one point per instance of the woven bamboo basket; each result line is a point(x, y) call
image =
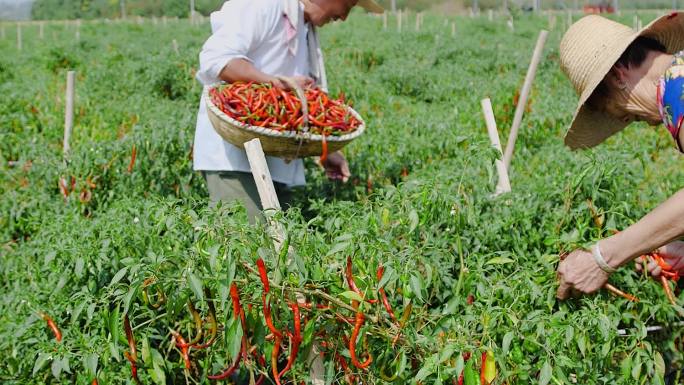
point(283, 144)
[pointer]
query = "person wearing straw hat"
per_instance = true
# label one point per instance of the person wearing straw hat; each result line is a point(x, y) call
point(622, 76)
point(261, 41)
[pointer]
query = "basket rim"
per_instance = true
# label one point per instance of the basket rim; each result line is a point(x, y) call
point(283, 134)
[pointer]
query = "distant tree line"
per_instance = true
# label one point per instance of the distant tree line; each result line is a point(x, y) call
point(92, 9)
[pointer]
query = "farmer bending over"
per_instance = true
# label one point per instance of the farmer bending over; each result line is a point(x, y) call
point(621, 77)
point(258, 40)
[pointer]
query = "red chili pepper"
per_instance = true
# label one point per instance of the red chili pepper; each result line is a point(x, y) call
point(237, 307)
point(131, 356)
point(183, 346)
point(295, 340)
point(274, 360)
point(228, 371)
point(63, 188)
point(52, 325)
point(350, 280)
point(383, 296)
point(134, 152)
point(324, 151)
point(263, 275)
point(360, 318)
point(268, 319)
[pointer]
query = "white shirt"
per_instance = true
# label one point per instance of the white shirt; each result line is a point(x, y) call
point(254, 30)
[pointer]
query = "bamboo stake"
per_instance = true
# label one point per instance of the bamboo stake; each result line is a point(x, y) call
point(174, 43)
point(524, 94)
point(399, 21)
point(490, 14)
point(68, 112)
point(504, 183)
point(41, 28)
point(384, 21)
point(453, 29)
point(417, 22)
point(19, 45)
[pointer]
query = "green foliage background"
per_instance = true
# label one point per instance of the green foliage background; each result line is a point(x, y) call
point(419, 203)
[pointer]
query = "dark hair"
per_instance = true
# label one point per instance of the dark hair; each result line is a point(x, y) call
point(633, 56)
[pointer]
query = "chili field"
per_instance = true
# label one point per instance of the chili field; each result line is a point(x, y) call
point(118, 246)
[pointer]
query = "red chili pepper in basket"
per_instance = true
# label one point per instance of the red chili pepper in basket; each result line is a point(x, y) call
point(52, 325)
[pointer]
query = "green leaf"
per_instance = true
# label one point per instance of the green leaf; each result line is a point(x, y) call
point(545, 373)
point(413, 220)
point(145, 351)
point(78, 268)
point(338, 248)
point(49, 257)
point(506, 344)
point(42, 359)
point(128, 298)
point(352, 296)
point(417, 286)
point(499, 261)
point(387, 276)
point(90, 363)
point(460, 364)
point(117, 277)
point(196, 286)
point(470, 377)
point(659, 365)
point(56, 368)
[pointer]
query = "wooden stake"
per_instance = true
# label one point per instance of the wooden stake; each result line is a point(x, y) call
point(399, 21)
point(19, 45)
point(639, 25)
point(504, 183)
point(453, 29)
point(174, 43)
point(78, 30)
point(41, 28)
point(417, 22)
point(266, 190)
point(524, 94)
point(384, 21)
point(635, 23)
point(68, 112)
point(490, 14)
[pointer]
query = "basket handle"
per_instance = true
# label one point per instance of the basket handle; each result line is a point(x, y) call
point(302, 98)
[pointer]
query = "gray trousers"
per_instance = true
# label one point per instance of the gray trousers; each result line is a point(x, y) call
point(232, 186)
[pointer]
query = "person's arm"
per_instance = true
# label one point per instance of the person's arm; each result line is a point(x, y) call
point(580, 272)
point(661, 226)
point(240, 27)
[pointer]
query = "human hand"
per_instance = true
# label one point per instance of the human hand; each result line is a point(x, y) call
point(579, 273)
point(302, 81)
point(673, 255)
point(336, 167)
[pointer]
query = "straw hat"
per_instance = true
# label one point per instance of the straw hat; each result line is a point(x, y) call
point(370, 6)
point(588, 51)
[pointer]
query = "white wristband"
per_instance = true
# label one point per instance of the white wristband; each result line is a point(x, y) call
point(598, 257)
